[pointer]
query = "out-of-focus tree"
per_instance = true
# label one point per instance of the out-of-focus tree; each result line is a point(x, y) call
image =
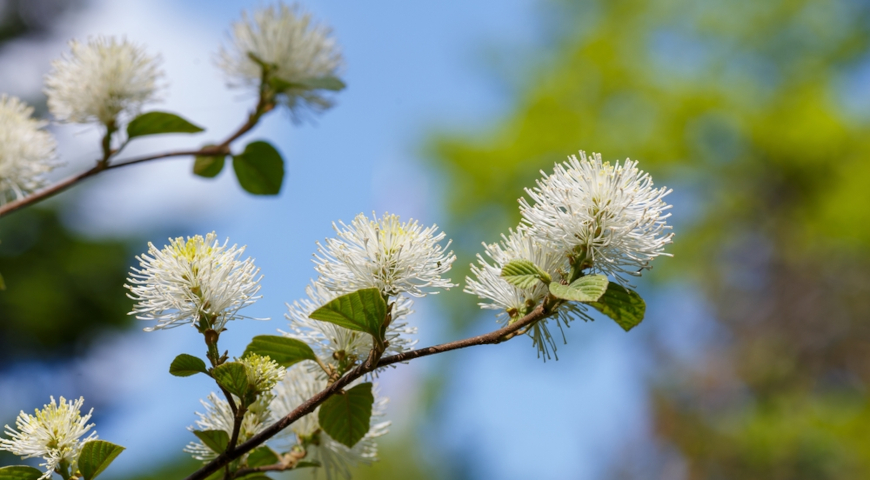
point(752, 108)
point(31, 17)
point(61, 290)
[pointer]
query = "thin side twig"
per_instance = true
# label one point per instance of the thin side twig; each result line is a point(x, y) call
point(263, 106)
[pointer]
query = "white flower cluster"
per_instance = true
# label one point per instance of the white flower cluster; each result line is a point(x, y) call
point(53, 433)
point(385, 253)
point(299, 385)
point(101, 79)
point(398, 258)
point(608, 214)
point(611, 211)
point(193, 280)
point(297, 49)
point(27, 151)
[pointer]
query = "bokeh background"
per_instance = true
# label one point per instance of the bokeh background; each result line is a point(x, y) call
point(754, 359)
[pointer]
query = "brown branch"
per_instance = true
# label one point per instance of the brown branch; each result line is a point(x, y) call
point(498, 336)
point(277, 467)
point(288, 462)
point(263, 106)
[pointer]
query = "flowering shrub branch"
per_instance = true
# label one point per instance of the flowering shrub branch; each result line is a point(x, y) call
point(312, 389)
point(495, 337)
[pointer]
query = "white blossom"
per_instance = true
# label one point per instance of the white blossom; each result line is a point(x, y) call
point(27, 151)
point(298, 50)
point(299, 385)
point(263, 372)
point(610, 210)
point(326, 339)
point(384, 253)
point(101, 79)
point(188, 281)
point(512, 302)
point(53, 433)
point(219, 416)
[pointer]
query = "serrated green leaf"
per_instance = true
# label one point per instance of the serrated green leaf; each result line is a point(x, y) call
point(346, 418)
point(153, 123)
point(320, 83)
point(233, 377)
point(262, 456)
point(208, 166)
point(585, 289)
point(186, 365)
point(524, 274)
point(285, 351)
point(363, 310)
point(621, 304)
point(216, 440)
point(259, 169)
point(20, 472)
point(96, 455)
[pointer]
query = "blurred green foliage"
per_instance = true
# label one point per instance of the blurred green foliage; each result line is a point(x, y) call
point(751, 111)
point(28, 17)
point(61, 290)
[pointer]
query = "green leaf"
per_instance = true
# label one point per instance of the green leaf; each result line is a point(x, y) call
point(285, 351)
point(346, 418)
point(320, 83)
point(260, 169)
point(96, 456)
point(186, 365)
point(20, 472)
point(262, 456)
point(216, 440)
point(585, 289)
point(209, 166)
point(233, 377)
point(153, 123)
point(621, 304)
point(524, 274)
point(363, 311)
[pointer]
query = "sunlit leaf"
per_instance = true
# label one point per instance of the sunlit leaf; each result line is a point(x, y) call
point(346, 418)
point(95, 456)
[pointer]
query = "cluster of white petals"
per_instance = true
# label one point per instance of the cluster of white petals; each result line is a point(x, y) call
point(326, 339)
point(27, 151)
point(299, 385)
point(219, 416)
point(191, 280)
point(298, 50)
point(610, 210)
point(101, 79)
point(263, 372)
point(53, 433)
point(385, 253)
point(514, 302)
